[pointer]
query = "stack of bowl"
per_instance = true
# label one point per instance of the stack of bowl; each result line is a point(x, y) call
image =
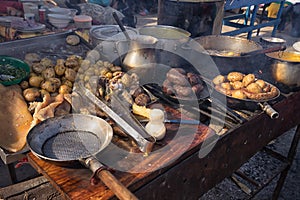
point(59, 20)
point(61, 17)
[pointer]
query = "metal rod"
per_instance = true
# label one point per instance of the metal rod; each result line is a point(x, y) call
point(290, 157)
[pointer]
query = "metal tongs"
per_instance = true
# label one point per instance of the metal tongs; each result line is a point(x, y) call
point(130, 126)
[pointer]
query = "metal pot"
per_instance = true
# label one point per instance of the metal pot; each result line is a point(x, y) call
point(110, 41)
point(286, 67)
point(111, 33)
point(170, 41)
point(225, 52)
point(141, 52)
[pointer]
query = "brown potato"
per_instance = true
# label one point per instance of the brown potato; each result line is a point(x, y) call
point(254, 88)
point(31, 94)
point(47, 62)
point(235, 76)
point(56, 81)
point(59, 69)
point(219, 79)
point(35, 81)
point(237, 85)
point(239, 94)
point(249, 78)
point(73, 40)
point(261, 83)
point(49, 86)
point(24, 85)
point(38, 68)
point(226, 86)
point(48, 73)
point(64, 89)
point(70, 74)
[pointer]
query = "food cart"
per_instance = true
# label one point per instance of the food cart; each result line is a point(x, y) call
point(195, 161)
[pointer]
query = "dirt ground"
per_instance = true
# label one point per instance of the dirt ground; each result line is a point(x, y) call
point(260, 167)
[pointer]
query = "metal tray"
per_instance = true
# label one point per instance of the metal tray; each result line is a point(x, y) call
point(51, 46)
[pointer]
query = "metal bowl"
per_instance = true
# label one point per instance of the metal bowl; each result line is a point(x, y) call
point(271, 41)
point(286, 67)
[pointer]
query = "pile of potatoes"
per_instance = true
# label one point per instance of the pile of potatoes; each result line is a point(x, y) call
point(50, 77)
point(244, 86)
point(103, 77)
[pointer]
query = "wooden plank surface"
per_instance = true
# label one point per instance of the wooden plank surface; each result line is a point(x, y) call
point(74, 183)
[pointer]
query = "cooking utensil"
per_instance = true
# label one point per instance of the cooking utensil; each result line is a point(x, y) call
point(169, 46)
point(251, 104)
point(263, 51)
point(231, 60)
point(272, 41)
point(121, 25)
point(139, 134)
point(75, 137)
point(156, 91)
point(286, 67)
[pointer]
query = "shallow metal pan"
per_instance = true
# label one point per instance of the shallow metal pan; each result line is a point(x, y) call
point(76, 138)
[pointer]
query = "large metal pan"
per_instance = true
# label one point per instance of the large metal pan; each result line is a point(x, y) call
point(251, 104)
point(76, 137)
point(229, 58)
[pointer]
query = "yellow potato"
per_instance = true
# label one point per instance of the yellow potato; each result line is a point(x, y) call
point(254, 88)
point(261, 83)
point(239, 94)
point(235, 76)
point(35, 81)
point(249, 78)
point(237, 85)
point(219, 79)
point(226, 86)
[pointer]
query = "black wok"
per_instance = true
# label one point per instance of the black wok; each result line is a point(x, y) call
point(72, 138)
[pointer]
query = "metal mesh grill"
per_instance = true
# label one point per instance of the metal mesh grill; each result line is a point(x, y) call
point(71, 145)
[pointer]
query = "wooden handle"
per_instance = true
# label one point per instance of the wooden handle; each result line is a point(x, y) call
point(115, 185)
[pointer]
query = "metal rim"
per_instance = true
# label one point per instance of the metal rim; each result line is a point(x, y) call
point(38, 135)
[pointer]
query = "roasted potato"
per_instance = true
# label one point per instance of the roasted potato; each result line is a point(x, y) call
point(239, 94)
point(235, 76)
point(254, 88)
point(24, 85)
point(49, 86)
point(48, 73)
point(261, 83)
point(38, 68)
point(59, 69)
point(219, 79)
point(56, 81)
point(70, 74)
point(249, 78)
point(64, 89)
point(31, 94)
point(47, 62)
point(226, 86)
point(73, 40)
point(237, 85)
point(35, 81)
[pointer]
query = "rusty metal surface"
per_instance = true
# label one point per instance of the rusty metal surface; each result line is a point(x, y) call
point(229, 153)
point(53, 46)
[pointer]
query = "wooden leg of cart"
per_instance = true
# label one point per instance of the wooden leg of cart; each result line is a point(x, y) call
point(290, 158)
